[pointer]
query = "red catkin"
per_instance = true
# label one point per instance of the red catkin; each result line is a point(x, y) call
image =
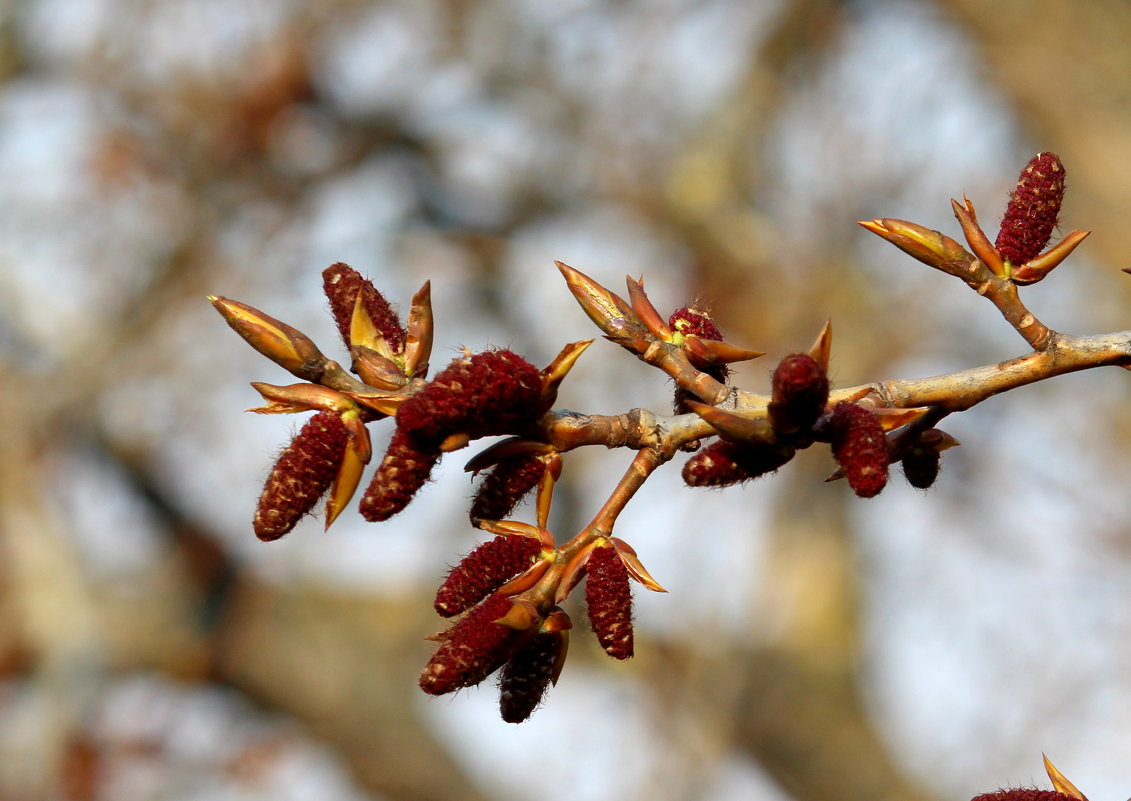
point(1024, 794)
point(341, 283)
point(302, 474)
point(504, 487)
point(723, 463)
point(608, 598)
point(483, 571)
point(860, 448)
point(473, 649)
point(1033, 209)
point(921, 465)
point(488, 393)
point(405, 468)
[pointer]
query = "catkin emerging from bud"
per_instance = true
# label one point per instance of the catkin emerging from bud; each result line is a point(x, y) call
point(483, 571)
point(1034, 206)
point(341, 283)
point(860, 448)
point(800, 392)
point(524, 679)
point(690, 321)
point(608, 598)
point(302, 474)
point(724, 463)
point(472, 650)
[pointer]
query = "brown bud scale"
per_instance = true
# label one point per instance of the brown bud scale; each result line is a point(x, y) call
point(472, 650)
point(1033, 209)
point(404, 470)
point(341, 283)
point(302, 474)
point(608, 598)
point(483, 571)
point(860, 448)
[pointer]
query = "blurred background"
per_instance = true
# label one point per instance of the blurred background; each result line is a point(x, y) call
point(813, 646)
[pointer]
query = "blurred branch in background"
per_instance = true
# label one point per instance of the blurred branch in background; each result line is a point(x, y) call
point(722, 149)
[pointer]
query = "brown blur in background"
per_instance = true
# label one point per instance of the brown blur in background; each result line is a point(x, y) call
point(813, 646)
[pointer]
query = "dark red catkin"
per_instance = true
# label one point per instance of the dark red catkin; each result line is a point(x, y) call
point(608, 598)
point(860, 448)
point(483, 571)
point(800, 390)
point(472, 650)
point(524, 679)
point(341, 283)
point(504, 487)
point(404, 470)
point(723, 463)
point(1024, 794)
point(1033, 209)
point(488, 393)
point(301, 476)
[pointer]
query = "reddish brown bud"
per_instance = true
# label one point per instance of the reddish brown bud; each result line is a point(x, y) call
point(505, 486)
point(483, 571)
point(302, 474)
point(404, 470)
point(608, 598)
point(723, 463)
point(1034, 206)
point(472, 649)
point(800, 392)
point(921, 464)
point(488, 393)
point(860, 448)
point(342, 283)
point(524, 679)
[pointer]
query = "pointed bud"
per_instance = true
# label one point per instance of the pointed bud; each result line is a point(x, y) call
point(483, 571)
point(524, 679)
point(485, 394)
point(288, 347)
point(609, 311)
point(343, 285)
point(404, 470)
point(505, 486)
point(1035, 269)
point(1060, 782)
point(860, 448)
point(1034, 206)
point(556, 371)
point(608, 598)
point(418, 338)
point(976, 238)
point(723, 463)
point(800, 392)
point(472, 649)
point(648, 313)
point(927, 245)
point(301, 476)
